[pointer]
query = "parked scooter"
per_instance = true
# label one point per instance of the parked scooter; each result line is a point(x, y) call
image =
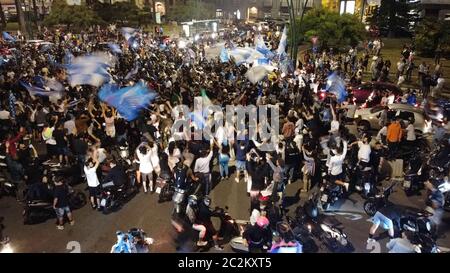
point(113, 197)
point(39, 210)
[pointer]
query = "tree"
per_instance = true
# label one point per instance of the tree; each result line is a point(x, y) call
point(430, 34)
point(192, 9)
point(20, 15)
point(332, 29)
point(397, 17)
point(2, 18)
point(77, 17)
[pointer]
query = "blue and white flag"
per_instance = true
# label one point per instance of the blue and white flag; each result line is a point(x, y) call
point(128, 32)
point(224, 58)
point(262, 48)
point(115, 48)
point(12, 105)
point(283, 42)
point(245, 55)
point(128, 101)
point(133, 72)
point(263, 61)
point(8, 37)
point(258, 72)
point(68, 57)
point(89, 70)
point(336, 86)
point(38, 91)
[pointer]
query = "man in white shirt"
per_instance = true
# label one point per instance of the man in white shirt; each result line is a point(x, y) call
point(410, 133)
point(335, 165)
point(145, 165)
point(90, 170)
point(202, 171)
point(4, 114)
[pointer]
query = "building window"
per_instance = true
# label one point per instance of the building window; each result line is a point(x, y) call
point(219, 13)
point(347, 6)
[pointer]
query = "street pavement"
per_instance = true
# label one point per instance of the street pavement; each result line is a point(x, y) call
point(95, 232)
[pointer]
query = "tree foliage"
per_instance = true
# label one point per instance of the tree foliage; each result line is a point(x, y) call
point(430, 34)
point(332, 29)
point(192, 9)
point(73, 16)
point(397, 17)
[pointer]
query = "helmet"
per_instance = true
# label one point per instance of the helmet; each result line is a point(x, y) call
point(192, 200)
point(262, 221)
point(207, 200)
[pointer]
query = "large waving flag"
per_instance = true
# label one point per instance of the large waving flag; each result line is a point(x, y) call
point(245, 55)
point(259, 72)
point(39, 91)
point(336, 86)
point(129, 101)
point(262, 48)
point(7, 37)
point(89, 70)
point(283, 42)
point(128, 32)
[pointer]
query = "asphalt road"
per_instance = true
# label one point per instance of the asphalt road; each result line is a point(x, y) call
point(95, 232)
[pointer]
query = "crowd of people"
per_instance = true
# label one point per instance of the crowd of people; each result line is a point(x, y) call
point(77, 129)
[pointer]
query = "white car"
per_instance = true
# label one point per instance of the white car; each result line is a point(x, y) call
point(369, 117)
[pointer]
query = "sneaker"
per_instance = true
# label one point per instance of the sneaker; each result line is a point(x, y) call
point(145, 190)
point(94, 207)
point(60, 227)
point(72, 222)
point(371, 240)
point(202, 243)
point(237, 180)
point(218, 247)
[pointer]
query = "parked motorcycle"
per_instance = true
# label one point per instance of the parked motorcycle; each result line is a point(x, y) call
point(38, 211)
point(113, 197)
point(165, 187)
point(374, 203)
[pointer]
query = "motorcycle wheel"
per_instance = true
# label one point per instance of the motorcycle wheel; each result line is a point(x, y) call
point(370, 208)
point(78, 200)
point(326, 206)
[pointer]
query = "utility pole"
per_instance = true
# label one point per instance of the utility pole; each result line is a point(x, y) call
point(363, 7)
point(295, 33)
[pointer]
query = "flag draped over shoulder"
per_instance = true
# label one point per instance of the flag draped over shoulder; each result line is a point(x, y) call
point(127, 100)
point(336, 86)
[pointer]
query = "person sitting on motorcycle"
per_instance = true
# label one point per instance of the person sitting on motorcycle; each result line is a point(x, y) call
point(386, 216)
point(182, 173)
point(204, 218)
point(192, 210)
point(287, 242)
point(335, 166)
point(116, 175)
point(259, 236)
point(435, 204)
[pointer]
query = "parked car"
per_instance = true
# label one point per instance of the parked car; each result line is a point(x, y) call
point(363, 91)
point(369, 117)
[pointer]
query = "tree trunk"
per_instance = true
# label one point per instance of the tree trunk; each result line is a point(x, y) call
point(2, 18)
point(35, 11)
point(20, 15)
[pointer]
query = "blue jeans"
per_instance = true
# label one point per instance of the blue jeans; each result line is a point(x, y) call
point(205, 181)
point(223, 164)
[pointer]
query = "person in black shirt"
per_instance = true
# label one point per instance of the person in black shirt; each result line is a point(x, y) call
point(116, 175)
point(61, 203)
point(258, 236)
point(61, 143)
point(204, 218)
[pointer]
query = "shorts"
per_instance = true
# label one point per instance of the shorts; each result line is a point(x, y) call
point(240, 165)
point(62, 150)
point(340, 177)
point(93, 191)
point(60, 211)
point(379, 218)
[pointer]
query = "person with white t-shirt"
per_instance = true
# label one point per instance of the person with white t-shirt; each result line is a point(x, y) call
point(335, 166)
point(410, 133)
point(364, 151)
point(90, 170)
point(145, 165)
